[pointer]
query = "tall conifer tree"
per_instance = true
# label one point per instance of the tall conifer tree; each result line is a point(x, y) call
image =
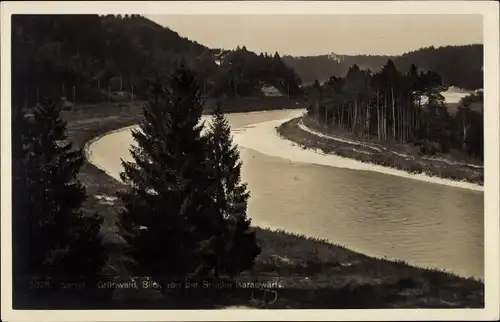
point(168, 218)
point(237, 247)
point(52, 238)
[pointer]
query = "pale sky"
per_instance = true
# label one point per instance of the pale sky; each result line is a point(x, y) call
point(322, 34)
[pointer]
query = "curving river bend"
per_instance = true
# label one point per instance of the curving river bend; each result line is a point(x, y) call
point(424, 223)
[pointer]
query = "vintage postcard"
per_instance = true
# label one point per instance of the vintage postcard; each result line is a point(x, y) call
point(250, 160)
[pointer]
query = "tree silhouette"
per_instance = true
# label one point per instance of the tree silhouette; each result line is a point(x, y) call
point(237, 245)
point(169, 220)
point(52, 238)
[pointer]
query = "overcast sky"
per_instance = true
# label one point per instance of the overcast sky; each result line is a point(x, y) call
point(320, 34)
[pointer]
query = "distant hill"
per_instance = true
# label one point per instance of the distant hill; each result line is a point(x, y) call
point(322, 67)
point(88, 56)
point(459, 66)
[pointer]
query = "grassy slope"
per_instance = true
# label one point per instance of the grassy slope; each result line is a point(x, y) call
point(314, 273)
point(415, 164)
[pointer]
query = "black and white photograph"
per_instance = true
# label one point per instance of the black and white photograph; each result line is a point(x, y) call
point(228, 160)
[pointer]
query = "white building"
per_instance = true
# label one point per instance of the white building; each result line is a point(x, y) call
point(270, 91)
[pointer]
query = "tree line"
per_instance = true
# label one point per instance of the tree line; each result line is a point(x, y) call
point(246, 72)
point(443, 60)
point(184, 211)
point(403, 107)
point(87, 57)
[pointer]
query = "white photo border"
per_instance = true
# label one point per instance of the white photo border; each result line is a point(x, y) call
point(490, 13)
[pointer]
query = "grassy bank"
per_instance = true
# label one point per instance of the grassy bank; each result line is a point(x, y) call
point(401, 157)
point(312, 273)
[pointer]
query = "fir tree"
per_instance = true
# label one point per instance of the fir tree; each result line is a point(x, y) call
point(19, 192)
point(52, 238)
point(168, 219)
point(237, 246)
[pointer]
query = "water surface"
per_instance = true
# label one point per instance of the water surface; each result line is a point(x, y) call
point(426, 224)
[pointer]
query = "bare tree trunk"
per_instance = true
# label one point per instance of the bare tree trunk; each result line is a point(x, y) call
point(414, 121)
point(386, 125)
point(418, 113)
point(362, 121)
point(404, 118)
point(393, 115)
point(349, 118)
point(355, 118)
point(378, 117)
point(465, 137)
point(326, 116)
point(384, 114)
point(382, 111)
point(465, 130)
point(382, 120)
point(404, 122)
point(317, 111)
point(409, 119)
point(341, 117)
point(368, 119)
point(400, 117)
point(338, 115)
point(404, 103)
point(398, 121)
point(378, 122)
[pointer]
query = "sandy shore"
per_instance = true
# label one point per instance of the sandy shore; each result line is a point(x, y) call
point(262, 137)
point(112, 140)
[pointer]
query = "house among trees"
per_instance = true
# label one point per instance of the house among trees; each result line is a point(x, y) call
point(270, 90)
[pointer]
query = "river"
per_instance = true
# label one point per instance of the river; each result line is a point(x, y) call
point(424, 223)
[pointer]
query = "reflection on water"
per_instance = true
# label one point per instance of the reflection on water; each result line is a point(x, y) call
point(422, 223)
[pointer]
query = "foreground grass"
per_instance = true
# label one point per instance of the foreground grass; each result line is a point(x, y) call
point(312, 273)
point(415, 163)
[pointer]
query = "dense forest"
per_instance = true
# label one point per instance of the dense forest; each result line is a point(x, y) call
point(91, 59)
point(398, 106)
point(442, 60)
point(246, 72)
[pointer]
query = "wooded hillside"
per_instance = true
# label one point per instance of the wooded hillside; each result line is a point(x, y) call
point(459, 66)
point(87, 57)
